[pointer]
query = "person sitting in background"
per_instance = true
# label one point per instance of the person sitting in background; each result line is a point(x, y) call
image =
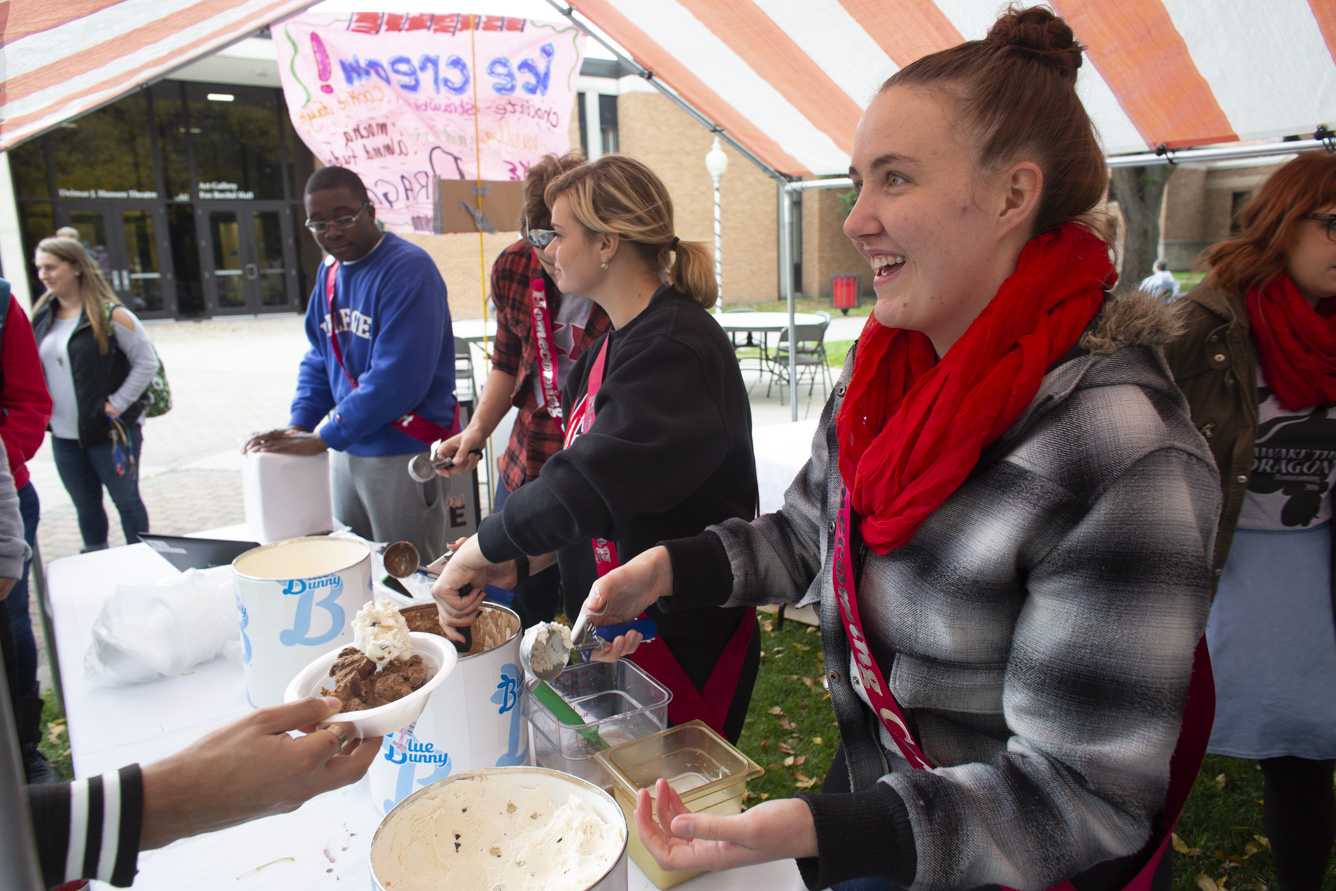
point(530, 310)
point(1161, 283)
point(1005, 523)
point(98, 363)
point(1258, 367)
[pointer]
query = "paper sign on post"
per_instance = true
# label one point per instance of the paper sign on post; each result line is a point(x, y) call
point(405, 99)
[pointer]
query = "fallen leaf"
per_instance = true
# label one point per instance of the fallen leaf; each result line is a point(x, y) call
point(1178, 844)
point(801, 648)
point(1206, 883)
point(1220, 781)
point(788, 762)
point(1263, 841)
point(817, 740)
point(805, 784)
point(767, 627)
point(764, 743)
point(787, 724)
point(786, 748)
point(775, 766)
point(777, 650)
point(776, 710)
point(809, 682)
point(765, 795)
point(798, 762)
point(801, 777)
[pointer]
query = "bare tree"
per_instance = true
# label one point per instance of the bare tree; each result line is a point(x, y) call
point(1140, 194)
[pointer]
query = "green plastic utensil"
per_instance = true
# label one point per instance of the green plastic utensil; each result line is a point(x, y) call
point(565, 714)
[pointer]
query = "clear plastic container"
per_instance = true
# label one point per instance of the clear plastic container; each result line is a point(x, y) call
point(707, 772)
point(617, 702)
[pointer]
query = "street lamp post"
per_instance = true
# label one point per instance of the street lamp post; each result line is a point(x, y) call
point(716, 162)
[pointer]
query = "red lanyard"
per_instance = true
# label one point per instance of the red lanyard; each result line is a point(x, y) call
point(582, 418)
point(331, 273)
point(874, 684)
point(545, 354)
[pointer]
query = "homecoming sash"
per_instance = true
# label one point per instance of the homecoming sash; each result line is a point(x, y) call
point(1193, 734)
point(544, 353)
point(418, 427)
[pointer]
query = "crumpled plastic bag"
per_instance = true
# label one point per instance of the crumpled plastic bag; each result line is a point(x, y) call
point(147, 631)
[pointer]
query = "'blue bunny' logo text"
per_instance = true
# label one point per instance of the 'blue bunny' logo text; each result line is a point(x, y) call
point(306, 591)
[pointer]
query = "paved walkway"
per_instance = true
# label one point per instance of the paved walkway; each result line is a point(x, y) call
point(229, 378)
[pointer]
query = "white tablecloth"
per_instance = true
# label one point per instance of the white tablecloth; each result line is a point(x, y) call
point(326, 842)
point(781, 451)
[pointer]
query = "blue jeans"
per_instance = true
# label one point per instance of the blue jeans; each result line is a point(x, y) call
point(85, 471)
point(20, 622)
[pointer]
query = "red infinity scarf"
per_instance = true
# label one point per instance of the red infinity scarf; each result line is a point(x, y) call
point(1296, 344)
point(912, 427)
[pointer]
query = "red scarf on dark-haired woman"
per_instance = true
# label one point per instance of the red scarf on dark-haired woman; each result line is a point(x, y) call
point(1296, 344)
point(912, 427)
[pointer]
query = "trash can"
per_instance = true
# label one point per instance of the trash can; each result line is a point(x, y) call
point(844, 291)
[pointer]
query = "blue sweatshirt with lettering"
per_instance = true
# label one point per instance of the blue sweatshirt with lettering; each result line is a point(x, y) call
point(392, 322)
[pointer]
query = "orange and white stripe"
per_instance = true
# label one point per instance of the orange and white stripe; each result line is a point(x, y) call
point(788, 78)
point(59, 60)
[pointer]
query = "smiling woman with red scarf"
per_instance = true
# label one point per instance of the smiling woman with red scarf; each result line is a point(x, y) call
point(1005, 524)
point(1258, 366)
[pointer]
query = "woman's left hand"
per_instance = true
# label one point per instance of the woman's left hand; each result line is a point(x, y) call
point(459, 590)
point(111, 410)
point(773, 830)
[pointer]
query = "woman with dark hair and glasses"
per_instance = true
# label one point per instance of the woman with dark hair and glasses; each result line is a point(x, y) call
point(533, 319)
point(1258, 366)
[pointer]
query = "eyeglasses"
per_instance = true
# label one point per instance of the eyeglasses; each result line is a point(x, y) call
point(539, 238)
point(337, 225)
point(1328, 218)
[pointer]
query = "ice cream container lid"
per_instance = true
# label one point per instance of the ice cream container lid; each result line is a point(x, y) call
point(694, 759)
point(436, 651)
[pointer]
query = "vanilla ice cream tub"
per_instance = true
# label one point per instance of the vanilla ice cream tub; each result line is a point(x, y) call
point(475, 719)
point(521, 828)
point(296, 599)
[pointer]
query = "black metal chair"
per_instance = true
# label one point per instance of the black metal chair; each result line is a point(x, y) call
point(809, 357)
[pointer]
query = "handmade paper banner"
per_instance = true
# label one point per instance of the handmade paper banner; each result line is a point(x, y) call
point(392, 97)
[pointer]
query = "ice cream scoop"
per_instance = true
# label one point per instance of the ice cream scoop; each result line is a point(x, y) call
point(547, 646)
point(402, 560)
point(423, 468)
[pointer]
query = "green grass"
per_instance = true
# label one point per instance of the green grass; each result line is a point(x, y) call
point(55, 742)
point(790, 728)
point(805, 304)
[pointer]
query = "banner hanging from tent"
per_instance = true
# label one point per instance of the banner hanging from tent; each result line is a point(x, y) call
point(392, 97)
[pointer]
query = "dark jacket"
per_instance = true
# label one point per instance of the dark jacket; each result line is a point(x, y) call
point(670, 452)
point(96, 376)
point(1215, 365)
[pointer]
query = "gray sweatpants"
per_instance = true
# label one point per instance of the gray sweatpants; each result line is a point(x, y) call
point(377, 499)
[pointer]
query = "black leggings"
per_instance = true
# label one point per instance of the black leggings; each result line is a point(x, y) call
point(1299, 809)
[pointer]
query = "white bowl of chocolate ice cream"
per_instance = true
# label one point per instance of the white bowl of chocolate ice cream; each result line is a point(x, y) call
point(518, 828)
point(384, 680)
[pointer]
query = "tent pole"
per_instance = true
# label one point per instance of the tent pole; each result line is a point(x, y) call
point(786, 282)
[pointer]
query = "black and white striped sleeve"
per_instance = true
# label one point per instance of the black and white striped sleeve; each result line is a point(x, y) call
point(89, 829)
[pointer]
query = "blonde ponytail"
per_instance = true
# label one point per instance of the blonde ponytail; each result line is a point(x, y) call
point(691, 271)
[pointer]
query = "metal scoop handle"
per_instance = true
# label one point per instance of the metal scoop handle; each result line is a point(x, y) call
point(423, 469)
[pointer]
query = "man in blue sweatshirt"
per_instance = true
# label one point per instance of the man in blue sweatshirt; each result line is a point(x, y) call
point(380, 372)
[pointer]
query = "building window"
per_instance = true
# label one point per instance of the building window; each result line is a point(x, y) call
point(607, 122)
point(1237, 201)
point(107, 153)
point(236, 142)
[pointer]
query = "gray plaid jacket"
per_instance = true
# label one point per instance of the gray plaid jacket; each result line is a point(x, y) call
point(1037, 631)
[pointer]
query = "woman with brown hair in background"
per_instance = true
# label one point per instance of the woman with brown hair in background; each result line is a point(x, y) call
point(98, 363)
point(657, 438)
point(1258, 367)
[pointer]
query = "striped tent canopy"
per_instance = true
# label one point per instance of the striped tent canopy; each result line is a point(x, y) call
point(788, 79)
point(61, 58)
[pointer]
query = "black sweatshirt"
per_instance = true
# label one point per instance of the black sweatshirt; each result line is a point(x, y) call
point(670, 452)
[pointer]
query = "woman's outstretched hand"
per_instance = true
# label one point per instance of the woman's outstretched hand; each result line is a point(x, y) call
point(680, 839)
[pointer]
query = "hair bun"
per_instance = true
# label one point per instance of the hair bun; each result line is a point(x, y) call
point(1039, 31)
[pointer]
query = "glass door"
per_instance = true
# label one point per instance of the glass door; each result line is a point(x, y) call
point(129, 244)
point(251, 258)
